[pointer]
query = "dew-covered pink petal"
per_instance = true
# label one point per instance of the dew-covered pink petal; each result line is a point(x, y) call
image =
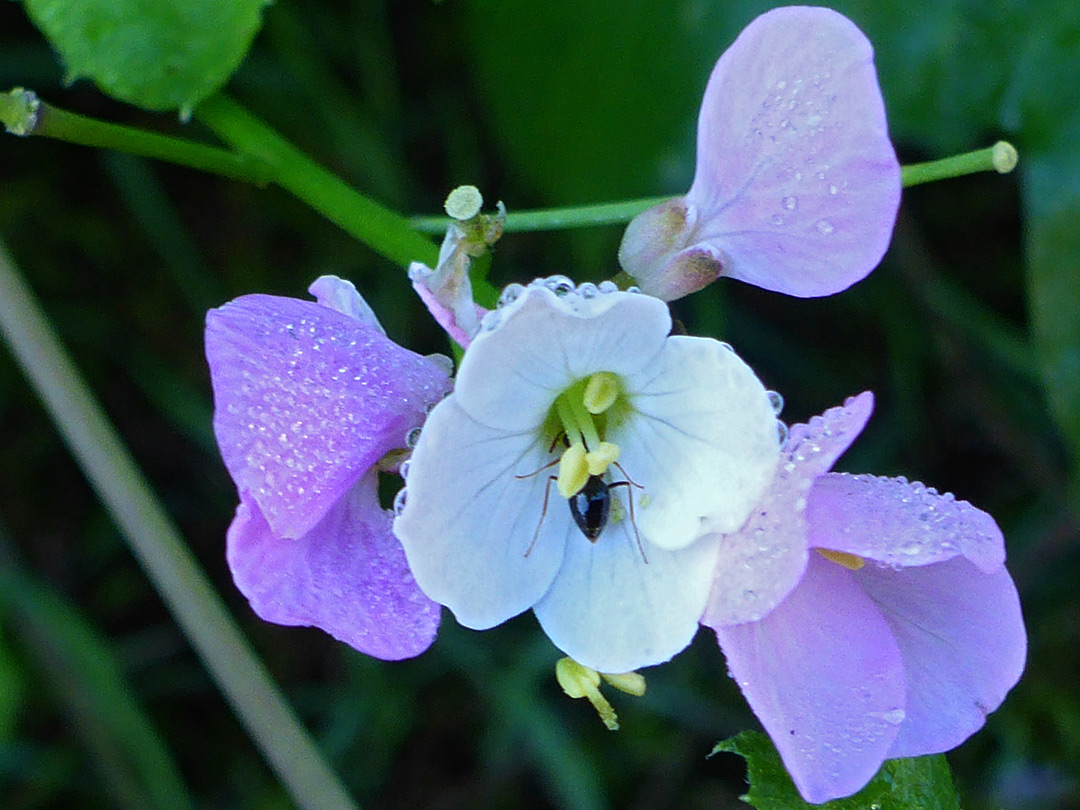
point(758, 565)
point(307, 399)
point(347, 576)
point(962, 639)
point(900, 523)
point(797, 184)
point(824, 675)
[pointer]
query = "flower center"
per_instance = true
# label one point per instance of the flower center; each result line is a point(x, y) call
point(582, 415)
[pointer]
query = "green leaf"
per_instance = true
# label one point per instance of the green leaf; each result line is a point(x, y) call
point(924, 783)
point(156, 54)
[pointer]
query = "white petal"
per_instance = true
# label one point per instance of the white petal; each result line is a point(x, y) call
point(342, 295)
point(611, 610)
point(531, 350)
point(468, 522)
point(702, 442)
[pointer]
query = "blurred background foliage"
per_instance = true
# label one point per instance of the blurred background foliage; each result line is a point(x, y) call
point(969, 333)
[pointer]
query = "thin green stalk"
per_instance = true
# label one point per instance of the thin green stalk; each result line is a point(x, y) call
point(24, 114)
point(553, 219)
point(1000, 158)
point(379, 228)
point(162, 553)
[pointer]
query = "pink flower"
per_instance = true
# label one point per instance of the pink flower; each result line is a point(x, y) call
point(797, 184)
point(309, 398)
point(863, 618)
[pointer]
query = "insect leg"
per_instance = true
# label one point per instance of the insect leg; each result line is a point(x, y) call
point(543, 512)
point(630, 500)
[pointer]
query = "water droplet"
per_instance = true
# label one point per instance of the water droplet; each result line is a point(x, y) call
point(635, 290)
point(813, 120)
point(587, 290)
point(824, 226)
point(790, 203)
point(608, 287)
point(895, 717)
point(560, 285)
point(777, 219)
point(399, 501)
point(833, 190)
point(776, 401)
point(781, 432)
point(412, 438)
point(403, 470)
point(510, 294)
point(727, 346)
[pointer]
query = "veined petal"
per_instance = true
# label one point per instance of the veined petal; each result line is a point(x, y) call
point(759, 564)
point(961, 635)
point(347, 576)
point(900, 523)
point(611, 610)
point(535, 347)
point(468, 522)
point(307, 399)
point(797, 184)
point(701, 441)
point(824, 675)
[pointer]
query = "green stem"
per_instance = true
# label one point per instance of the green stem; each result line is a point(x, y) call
point(160, 550)
point(24, 114)
point(1001, 158)
point(553, 219)
point(379, 228)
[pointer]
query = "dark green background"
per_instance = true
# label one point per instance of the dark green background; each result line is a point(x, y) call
point(969, 333)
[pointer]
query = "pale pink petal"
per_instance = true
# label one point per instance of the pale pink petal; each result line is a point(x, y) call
point(900, 523)
point(760, 564)
point(962, 638)
point(797, 185)
point(306, 400)
point(347, 576)
point(824, 675)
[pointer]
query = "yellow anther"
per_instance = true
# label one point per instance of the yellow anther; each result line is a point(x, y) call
point(851, 562)
point(579, 681)
point(633, 683)
point(573, 471)
point(598, 460)
point(601, 391)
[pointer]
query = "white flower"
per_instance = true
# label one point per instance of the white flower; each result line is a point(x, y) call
point(586, 386)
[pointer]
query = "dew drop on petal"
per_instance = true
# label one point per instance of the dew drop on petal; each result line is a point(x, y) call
point(781, 432)
point(608, 287)
point(824, 226)
point(510, 294)
point(790, 202)
point(587, 290)
point(776, 401)
point(777, 219)
point(412, 437)
point(560, 285)
point(403, 469)
point(399, 501)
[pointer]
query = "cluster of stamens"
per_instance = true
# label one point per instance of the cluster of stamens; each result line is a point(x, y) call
point(587, 453)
